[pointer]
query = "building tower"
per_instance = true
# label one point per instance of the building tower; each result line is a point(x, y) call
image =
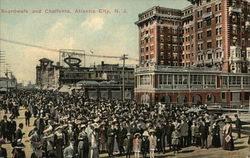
point(221, 37)
point(160, 35)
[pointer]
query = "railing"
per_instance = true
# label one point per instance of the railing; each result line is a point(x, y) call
point(207, 15)
point(174, 68)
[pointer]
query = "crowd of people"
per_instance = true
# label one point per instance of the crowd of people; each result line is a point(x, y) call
point(71, 126)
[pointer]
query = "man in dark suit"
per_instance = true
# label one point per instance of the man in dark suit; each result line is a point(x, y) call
point(4, 127)
point(111, 140)
point(238, 125)
point(3, 152)
point(19, 133)
point(27, 117)
point(203, 130)
point(12, 129)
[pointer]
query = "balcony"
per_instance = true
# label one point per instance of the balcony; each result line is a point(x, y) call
point(208, 62)
point(187, 17)
point(217, 60)
point(199, 62)
point(208, 15)
point(234, 10)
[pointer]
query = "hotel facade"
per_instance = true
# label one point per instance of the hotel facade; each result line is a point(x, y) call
point(200, 54)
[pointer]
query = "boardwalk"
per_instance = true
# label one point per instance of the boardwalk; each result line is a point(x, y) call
point(242, 148)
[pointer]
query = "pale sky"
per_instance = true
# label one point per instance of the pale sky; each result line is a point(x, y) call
point(105, 34)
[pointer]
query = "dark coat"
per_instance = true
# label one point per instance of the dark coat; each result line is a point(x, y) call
point(203, 130)
point(238, 123)
point(3, 152)
point(19, 134)
point(12, 127)
point(27, 114)
point(145, 145)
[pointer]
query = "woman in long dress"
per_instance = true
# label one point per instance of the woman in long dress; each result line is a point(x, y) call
point(93, 145)
point(137, 145)
point(152, 143)
point(216, 135)
point(227, 136)
point(59, 142)
point(83, 145)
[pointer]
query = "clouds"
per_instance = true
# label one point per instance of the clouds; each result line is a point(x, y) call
point(105, 34)
point(93, 23)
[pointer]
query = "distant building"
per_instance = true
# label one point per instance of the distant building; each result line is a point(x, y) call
point(47, 74)
point(100, 81)
point(7, 83)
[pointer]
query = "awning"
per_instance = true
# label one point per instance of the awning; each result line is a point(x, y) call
point(3, 89)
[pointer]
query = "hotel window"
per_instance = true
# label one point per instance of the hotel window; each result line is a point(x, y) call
point(209, 45)
point(218, 19)
point(219, 43)
point(209, 56)
point(151, 39)
point(208, 9)
point(161, 46)
point(162, 38)
point(151, 30)
point(218, 7)
point(151, 56)
point(195, 79)
point(209, 22)
point(199, 24)
point(142, 50)
point(142, 58)
point(218, 31)
point(170, 78)
point(232, 80)
point(200, 46)
point(174, 38)
point(199, 35)
point(246, 80)
point(209, 79)
point(209, 33)
point(161, 29)
point(151, 48)
point(199, 13)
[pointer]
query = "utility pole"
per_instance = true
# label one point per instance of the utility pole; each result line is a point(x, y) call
point(124, 57)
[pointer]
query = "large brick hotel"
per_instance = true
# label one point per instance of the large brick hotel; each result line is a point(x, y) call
point(200, 54)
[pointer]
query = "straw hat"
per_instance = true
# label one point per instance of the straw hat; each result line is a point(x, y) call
point(145, 133)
